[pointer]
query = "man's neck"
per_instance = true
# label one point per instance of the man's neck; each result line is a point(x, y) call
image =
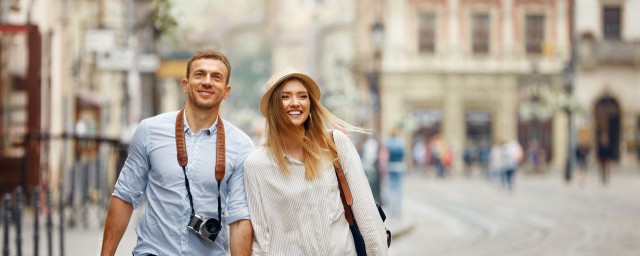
point(199, 119)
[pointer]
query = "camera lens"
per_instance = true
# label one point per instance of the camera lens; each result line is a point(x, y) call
point(212, 226)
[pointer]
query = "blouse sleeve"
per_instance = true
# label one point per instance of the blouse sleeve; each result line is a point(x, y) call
point(364, 207)
point(261, 238)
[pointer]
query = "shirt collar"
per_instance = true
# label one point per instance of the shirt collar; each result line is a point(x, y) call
point(293, 160)
point(210, 131)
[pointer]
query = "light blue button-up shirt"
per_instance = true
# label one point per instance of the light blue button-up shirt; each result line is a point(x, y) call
point(152, 169)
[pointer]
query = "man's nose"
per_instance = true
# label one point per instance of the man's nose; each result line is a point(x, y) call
point(208, 80)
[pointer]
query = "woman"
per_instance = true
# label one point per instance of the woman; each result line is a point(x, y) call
point(292, 190)
point(605, 154)
point(582, 152)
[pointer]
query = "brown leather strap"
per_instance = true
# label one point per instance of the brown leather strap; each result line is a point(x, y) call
point(345, 192)
point(181, 145)
point(220, 151)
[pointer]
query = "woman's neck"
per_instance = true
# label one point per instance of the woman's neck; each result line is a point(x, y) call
point(199, 119)
point(293, 146)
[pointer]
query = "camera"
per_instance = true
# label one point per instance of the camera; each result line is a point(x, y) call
point(208, 229)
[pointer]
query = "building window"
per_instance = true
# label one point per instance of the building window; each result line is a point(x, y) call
point(427, 32)
point(611, 22)
point(480, 33)
point(534, 33)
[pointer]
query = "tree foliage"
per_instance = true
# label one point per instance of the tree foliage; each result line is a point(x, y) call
point(161, 15)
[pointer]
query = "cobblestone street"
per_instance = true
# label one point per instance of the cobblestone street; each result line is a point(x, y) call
point(542, 216)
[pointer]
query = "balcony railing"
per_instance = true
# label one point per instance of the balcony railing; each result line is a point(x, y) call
point(609, 52)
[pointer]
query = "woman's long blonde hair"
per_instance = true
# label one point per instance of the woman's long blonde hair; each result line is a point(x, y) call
point(317, 142)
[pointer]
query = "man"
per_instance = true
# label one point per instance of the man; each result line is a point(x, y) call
point(395, 147)
point(174, 194)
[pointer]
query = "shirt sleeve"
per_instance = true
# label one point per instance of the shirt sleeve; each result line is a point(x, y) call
point(363, 207)
point(132, 180)
point(261, 236)
point(237, 208)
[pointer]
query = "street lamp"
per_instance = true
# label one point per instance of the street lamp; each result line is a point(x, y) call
point(570, 105)
point(568, 75)
point(536, 107)
point(377, 33)
point(373, 79)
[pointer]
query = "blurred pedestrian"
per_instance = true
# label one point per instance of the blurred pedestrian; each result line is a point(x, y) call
point(396, 167)
point(292, 188)
point(511, 156)
point(420, 156)
point(484, 153)
point(369, 156)
point(169, 225)
point(605, 154)
point(469, 156)
point(582, 152)
point(496, 160)
point(535, 155)
point(441, 154)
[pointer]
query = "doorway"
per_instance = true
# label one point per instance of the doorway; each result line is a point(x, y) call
point(607, 121)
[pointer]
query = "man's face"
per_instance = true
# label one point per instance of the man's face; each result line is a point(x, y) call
point(206, 86)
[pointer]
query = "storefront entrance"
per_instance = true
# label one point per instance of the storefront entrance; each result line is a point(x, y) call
point(607, 121)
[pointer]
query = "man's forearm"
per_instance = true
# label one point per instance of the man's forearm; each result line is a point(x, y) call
point(241, 235)
point(118, 217)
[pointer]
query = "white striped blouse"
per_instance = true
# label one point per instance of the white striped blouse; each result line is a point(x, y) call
point(293, 216)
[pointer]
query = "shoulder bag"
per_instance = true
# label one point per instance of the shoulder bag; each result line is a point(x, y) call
point(347, 201)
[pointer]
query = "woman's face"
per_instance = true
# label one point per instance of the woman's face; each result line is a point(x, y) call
point(296, 102)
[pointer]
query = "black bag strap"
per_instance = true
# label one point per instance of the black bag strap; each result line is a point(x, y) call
point(181, 148)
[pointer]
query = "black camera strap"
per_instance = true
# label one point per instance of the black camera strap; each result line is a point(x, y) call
point(181, 147)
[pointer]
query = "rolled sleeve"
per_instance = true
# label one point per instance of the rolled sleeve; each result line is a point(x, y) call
point(133, 177)
point(237, 208)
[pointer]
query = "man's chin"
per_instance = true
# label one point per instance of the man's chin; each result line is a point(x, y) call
point(207, 106)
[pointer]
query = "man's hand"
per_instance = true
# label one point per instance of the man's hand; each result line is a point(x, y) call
point(116, 223)
point(241, 235)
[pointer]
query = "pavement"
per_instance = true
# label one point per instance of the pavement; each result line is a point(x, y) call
point(457, 216)
point(543, 215)
point(83, 239)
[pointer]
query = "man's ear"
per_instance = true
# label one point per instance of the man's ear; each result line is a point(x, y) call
point(227, 91)
point(185, 84)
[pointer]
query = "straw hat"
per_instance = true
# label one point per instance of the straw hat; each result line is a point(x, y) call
point(277, 78)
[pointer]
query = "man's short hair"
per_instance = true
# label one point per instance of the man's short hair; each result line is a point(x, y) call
point(210, 54)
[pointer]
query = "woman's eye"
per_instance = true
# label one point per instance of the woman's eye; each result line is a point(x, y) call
point(284, 97)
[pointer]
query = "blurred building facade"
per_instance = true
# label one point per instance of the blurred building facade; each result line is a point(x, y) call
point(608, 76)
point(329, 40)
point(94, 81)
point(465, 68)
point(106, 67)
point(476, 71)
